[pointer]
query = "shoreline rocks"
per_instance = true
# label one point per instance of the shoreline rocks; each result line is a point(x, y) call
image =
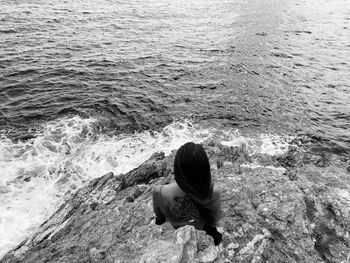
point(294, 208)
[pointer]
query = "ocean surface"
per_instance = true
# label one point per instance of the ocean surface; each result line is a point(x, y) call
point(88, 87)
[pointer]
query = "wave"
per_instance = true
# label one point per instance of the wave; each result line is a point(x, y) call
point(40, 173)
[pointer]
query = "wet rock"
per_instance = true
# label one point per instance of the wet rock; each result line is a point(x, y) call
point(290, 159)
point(299, 213)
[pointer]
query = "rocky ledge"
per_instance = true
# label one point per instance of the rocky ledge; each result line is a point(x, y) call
point(291, 208)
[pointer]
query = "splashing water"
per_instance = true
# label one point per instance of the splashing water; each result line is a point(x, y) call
point(270, 144)
point(39, 174)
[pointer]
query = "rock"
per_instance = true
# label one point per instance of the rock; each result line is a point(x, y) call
point(206, 251)
point(162, 251)
point(299, 213)
point(187, 245)
point(219, 164)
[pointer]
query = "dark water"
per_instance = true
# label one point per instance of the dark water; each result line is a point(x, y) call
point(257, 65)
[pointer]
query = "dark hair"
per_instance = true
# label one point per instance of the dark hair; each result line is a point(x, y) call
point(192, 174)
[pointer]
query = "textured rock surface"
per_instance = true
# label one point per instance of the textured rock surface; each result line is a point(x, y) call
point(294, 208)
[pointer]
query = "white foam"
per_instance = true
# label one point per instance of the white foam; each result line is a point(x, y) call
point(270, 167)
point(270, 144)
point(37, 175)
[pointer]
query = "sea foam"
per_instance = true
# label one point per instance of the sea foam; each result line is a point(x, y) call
point(39, 174)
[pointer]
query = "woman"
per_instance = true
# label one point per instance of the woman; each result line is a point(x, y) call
point(191, 200)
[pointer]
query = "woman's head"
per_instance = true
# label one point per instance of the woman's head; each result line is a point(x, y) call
point(192, 174)
point(192, 170)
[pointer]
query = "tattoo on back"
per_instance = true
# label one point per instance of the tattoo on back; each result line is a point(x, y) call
point(182, 209)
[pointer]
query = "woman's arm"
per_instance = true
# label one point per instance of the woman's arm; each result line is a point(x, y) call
point(157, 201)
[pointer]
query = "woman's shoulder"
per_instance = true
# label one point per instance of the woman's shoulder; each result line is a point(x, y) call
point(163, 189)
point(166, 192)
point(157, 188)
